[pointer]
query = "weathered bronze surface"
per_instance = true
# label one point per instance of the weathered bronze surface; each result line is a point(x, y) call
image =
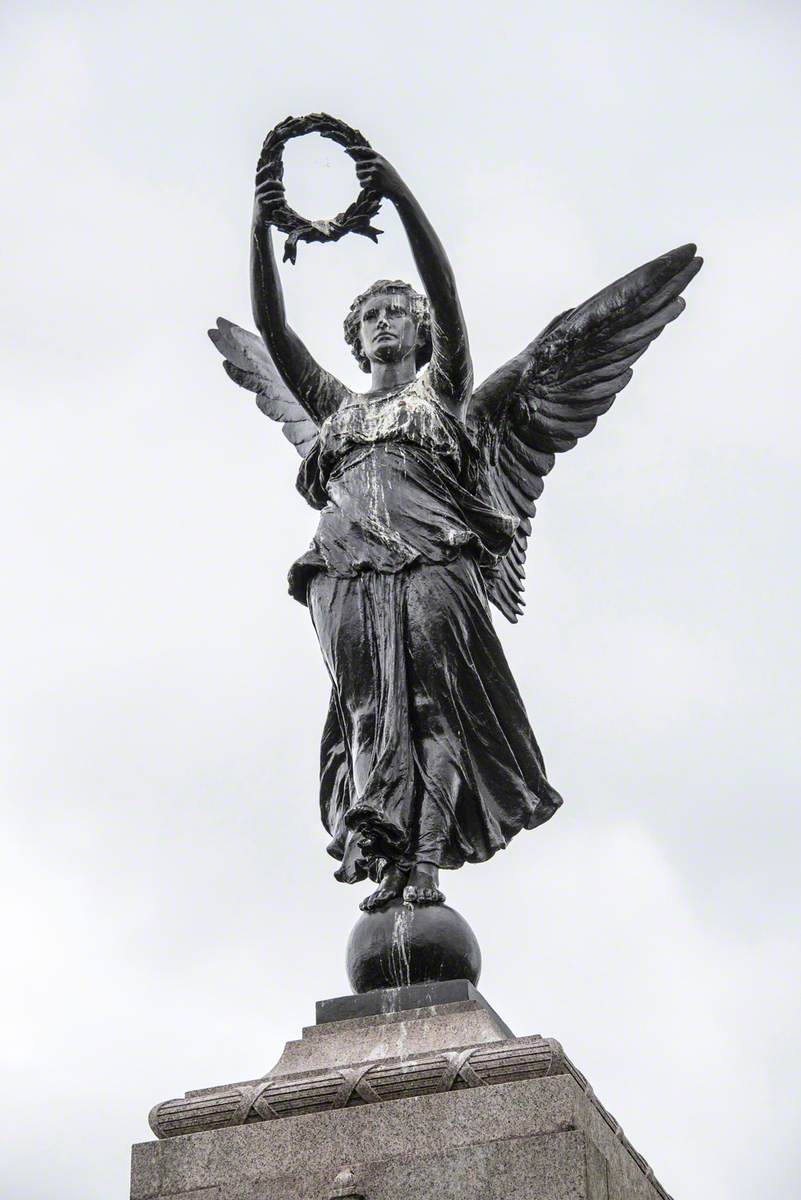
point(427, 488)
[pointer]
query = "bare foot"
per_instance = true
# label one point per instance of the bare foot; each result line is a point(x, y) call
point(392, 884)
point(422, 886)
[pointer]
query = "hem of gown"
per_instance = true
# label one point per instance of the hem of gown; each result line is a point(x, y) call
point(370, 826)
point(370, 867)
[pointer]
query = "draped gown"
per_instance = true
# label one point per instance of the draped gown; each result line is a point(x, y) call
point(427, 752)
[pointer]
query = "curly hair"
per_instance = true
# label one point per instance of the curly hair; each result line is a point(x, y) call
point(421, 311)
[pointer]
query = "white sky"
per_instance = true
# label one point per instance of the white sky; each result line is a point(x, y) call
point(171, 916)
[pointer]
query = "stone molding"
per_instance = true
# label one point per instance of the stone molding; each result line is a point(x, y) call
point(614, 1125)
point(275, 1097)
point(365, 1083)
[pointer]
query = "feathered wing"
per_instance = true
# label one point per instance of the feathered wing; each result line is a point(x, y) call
point(541, 402)
point(248, 362)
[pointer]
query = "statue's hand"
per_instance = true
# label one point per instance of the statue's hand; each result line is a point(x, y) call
point(270, 197)
point(376, 174)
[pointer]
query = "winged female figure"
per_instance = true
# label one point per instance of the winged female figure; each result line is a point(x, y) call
point(427, 488)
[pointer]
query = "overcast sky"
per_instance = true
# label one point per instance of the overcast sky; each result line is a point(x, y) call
point(170, 913)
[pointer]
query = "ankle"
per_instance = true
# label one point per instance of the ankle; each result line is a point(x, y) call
point(426, 870)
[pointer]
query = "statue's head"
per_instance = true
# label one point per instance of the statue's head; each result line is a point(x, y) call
point(388, 322)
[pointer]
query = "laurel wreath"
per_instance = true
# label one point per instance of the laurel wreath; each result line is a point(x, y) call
point(356, 217)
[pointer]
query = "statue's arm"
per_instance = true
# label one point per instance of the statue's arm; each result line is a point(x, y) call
point(451, 361)
point(318, 391)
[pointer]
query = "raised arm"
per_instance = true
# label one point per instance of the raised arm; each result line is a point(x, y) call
point(319, 392)
point(451, 363)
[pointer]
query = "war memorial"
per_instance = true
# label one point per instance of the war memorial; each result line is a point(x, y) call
point(413, 1087)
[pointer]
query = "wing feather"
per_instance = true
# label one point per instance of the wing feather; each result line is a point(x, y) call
point(593, 387)
point(552, 394)
point(248, 363)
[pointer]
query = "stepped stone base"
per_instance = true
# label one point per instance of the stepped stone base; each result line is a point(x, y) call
point(436, 1102)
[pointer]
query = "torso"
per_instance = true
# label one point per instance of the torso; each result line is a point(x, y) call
point(411, 414)
point(389, 467)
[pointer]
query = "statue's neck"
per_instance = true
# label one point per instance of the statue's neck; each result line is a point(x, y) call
point(386, 376)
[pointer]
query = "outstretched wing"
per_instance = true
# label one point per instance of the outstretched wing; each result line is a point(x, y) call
point(248, 362)
point(541, 402)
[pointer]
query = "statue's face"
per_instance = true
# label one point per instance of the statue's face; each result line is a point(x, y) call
point(387, 327)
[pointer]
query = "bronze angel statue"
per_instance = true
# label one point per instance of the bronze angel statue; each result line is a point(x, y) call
point(427, 487)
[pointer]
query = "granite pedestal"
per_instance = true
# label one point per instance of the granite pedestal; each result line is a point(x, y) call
point(408, 1094)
